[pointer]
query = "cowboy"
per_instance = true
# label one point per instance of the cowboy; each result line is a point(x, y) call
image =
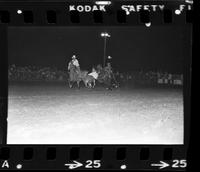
point(74, 62)
point(108, 69)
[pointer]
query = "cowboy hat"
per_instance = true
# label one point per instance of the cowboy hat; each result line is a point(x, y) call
point(74, 56)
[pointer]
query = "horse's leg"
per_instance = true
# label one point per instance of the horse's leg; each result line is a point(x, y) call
point(85, 82)
point(109, 85)
point(94, 83)
point(78, 84)
point(70, 84)
point(90, 85)
point(114, 81)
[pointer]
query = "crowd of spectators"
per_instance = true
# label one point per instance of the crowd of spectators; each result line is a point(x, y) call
point(35, 73)
point(151, 77)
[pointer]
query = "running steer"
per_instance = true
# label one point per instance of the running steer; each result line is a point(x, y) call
point(90, 78)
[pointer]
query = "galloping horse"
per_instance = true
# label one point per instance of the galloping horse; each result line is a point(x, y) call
point(76, 75)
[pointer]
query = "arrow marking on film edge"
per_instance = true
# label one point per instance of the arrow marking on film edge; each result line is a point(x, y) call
point(161, 165)
point(74, 165)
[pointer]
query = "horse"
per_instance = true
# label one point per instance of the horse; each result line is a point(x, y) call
point(106, 78)
point(76, 75)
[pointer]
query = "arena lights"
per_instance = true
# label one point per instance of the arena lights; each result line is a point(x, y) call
point(19, 11)
point(123, 167)
point(177, 12)
point(103, 2)
point(148, 24)
point(189, 1)
point(105, 34)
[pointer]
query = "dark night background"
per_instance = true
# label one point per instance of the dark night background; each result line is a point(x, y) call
point(132, 48)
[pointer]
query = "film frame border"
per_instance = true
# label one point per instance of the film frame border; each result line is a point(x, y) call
point(37, 14)
point(141, 155)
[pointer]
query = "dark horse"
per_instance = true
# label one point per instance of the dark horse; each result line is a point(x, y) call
point(106, 78)
point(76, 75)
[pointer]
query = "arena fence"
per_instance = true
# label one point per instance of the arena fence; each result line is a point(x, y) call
point(31, 73)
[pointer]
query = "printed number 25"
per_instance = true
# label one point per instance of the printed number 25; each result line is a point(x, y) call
point(179, 163)
point(93, 164)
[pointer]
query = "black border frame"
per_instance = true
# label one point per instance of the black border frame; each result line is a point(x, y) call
point(133, 151)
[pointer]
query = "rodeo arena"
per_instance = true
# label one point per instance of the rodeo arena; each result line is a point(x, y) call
point(100, 106)
point(35, 73)
point(60, 92)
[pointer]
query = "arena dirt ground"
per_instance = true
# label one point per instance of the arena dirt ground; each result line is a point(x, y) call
point(51, 113)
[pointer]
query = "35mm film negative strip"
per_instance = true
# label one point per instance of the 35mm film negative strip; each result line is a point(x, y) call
point(95, 84)
point(93, 13)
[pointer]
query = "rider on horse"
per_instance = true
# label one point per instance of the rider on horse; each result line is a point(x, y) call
point(75, 63)
point(75, 73)
point(108, 70)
